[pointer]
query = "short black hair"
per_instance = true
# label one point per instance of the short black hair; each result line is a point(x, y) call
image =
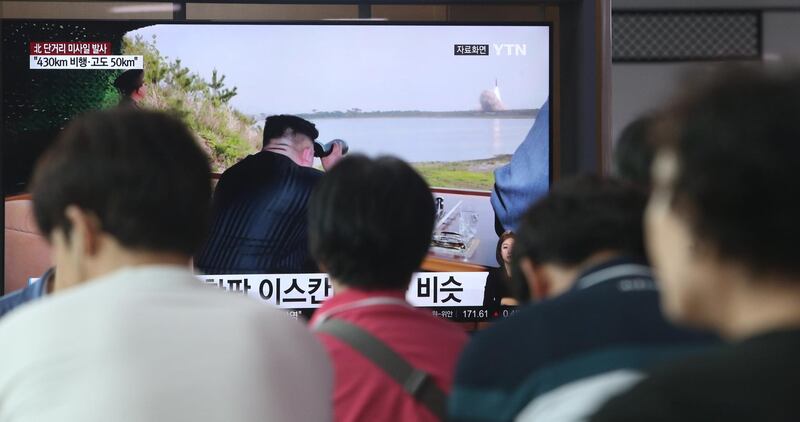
point(275, 126)
point(371, 222)
point(142, 173)
point(579, 217)
point(736, 138)
point(129, 81)
point(634, 152)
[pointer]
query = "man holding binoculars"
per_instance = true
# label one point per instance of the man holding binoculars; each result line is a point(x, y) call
point(260, 203)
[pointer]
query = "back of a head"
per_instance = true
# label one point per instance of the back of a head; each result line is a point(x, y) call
point(580, 217)
point(634, 152)
point(276, 126)
point(129, 81)
point(736, 140)
point(371, 222)
point(142, 174)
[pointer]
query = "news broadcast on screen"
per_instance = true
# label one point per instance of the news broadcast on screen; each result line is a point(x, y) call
point(457, 101)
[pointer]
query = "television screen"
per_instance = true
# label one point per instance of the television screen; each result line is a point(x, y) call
point(458, 102)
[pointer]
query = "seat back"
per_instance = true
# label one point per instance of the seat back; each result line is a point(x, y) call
point(27, 253)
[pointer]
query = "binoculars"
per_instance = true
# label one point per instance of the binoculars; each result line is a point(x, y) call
point(324, 150)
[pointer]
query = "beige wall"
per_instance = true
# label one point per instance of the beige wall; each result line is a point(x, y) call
point(641, 87)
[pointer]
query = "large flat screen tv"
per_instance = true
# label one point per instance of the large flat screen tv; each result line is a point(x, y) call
point(455, 100)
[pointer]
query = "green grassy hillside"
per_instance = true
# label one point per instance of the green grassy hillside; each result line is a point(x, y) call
point(226, 134)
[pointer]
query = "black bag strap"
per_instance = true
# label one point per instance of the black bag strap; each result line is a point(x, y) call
point(417, 383)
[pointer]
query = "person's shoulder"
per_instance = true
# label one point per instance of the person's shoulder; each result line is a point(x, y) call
point(261, 319)
point(419, 321)
point(495, 274)
point(238, 170)
point(237, 304)
point(768, 354)
point(267, 339)
point(533, 336)
point(310, 173)
point(17, 314)
point(17, 299)
point(679, 390)
point(636, 315)
point(36, 314)
point(494, 363)
point(547, 322)
point(414, 326)
point(261, 323)
point(445, 330)
point(503, 344)
point(646, 401)
point(674, 391)
point(506, 330)
point(535, 319)
point(27, 294)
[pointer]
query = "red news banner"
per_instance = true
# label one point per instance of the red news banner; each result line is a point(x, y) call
point(78, 48)
point(60, 55)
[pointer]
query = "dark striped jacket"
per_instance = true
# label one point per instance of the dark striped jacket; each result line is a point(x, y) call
point(259, 218)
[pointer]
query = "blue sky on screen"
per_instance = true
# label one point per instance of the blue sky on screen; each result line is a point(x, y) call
point(300, 68)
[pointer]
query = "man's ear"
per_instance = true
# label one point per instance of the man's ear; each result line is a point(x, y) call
point(85, 229)
point(538, 284)
point(308, 156)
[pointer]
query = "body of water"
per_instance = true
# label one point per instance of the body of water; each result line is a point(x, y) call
point(420, 139)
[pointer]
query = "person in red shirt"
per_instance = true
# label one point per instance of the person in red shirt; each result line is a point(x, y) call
point(370, 225)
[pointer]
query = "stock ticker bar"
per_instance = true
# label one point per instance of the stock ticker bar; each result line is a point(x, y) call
point(108, 62)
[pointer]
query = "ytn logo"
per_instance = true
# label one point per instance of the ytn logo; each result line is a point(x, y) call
point(510, 49)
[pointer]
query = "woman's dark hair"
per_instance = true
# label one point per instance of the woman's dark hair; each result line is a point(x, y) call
point(736, 138)
point(371, 222)
point(141, 173)
point(129, 81)
point(498, 251)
